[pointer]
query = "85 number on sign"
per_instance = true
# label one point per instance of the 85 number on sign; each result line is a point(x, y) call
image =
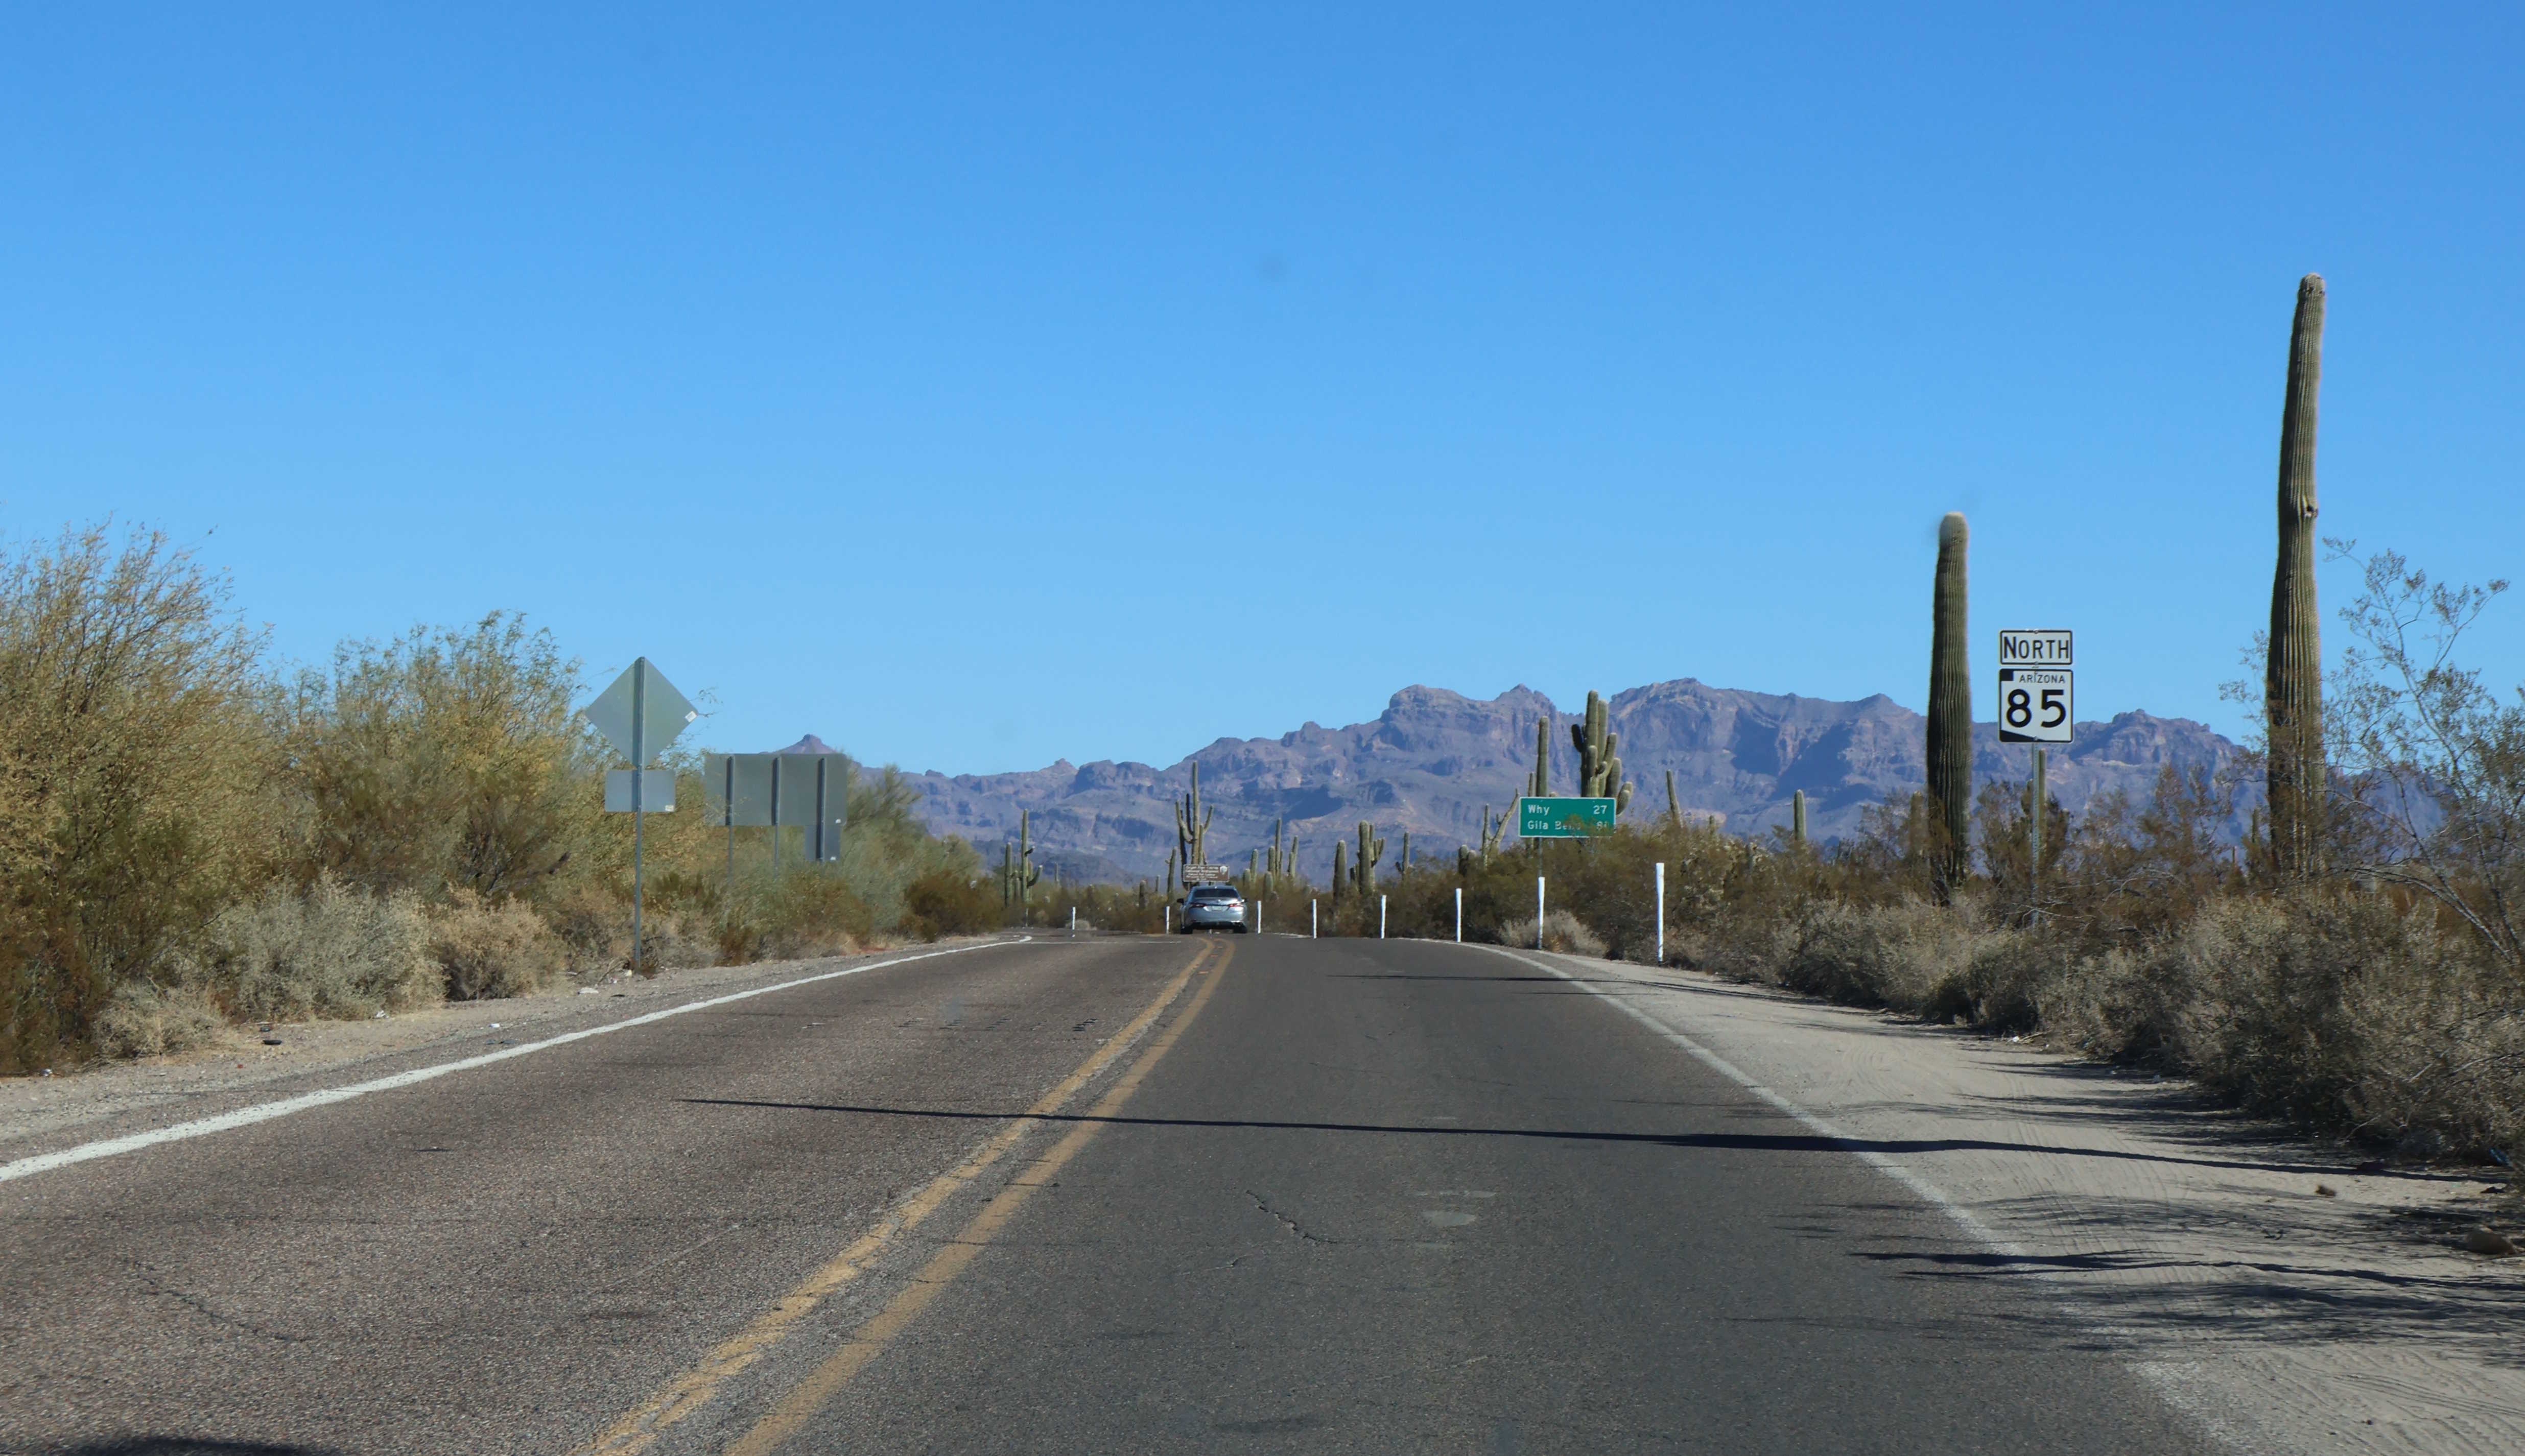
point(2036, 704)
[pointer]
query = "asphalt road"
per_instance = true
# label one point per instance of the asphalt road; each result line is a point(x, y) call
point(1115, 1195)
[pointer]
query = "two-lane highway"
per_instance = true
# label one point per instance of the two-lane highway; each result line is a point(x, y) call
point(1123, 1194)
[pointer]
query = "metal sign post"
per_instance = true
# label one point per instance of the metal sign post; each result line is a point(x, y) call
point(1538, 912)
point(639, 716)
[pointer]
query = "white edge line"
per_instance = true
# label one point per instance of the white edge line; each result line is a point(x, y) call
point(1929, 1192)
point(266, 1111)
point(2212, 1416)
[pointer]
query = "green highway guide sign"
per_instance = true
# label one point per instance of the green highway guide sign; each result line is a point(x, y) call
point(1563, 818)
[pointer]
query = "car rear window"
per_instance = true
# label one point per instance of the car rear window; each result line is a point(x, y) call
point(1218, 891)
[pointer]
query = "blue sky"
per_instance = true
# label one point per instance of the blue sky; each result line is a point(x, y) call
point(975, 387)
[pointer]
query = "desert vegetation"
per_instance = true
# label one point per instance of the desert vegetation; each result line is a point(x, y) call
point(192, 834)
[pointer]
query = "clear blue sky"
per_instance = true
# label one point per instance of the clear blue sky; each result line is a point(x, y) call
point(975, 387)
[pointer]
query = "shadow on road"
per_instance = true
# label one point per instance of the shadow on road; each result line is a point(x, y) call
point(1736, 1142)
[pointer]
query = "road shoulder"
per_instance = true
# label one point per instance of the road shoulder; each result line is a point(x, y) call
point(2287, 1301)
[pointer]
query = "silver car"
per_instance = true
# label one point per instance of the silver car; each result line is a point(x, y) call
point(1214, 907)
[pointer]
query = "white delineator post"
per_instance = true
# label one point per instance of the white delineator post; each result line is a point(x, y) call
point(1538, 912)
point(1380, 917)
point(1313, 926)
point(1660, 935)
point(1459, 913)
point(1073, 920)
point(1170, 917)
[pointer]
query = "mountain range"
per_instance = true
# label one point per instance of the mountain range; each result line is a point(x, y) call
point(1429, 763)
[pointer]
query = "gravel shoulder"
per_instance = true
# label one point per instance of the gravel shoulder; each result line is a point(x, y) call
point(2287, 1301)
point(110, 1098)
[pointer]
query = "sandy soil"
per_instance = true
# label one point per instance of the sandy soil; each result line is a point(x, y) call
point(2289, 1302)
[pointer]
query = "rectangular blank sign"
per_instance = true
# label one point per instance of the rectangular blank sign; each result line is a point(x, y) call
point(657, 791)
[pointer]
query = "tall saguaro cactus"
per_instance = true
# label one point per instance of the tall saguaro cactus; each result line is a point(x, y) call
point(1339, 873)
point(1494, 828)
point(1371, 848)
point(1600, 770)
point(2293, 676)
point(1018, 873)
point(1798, 816)
point(1540, 783)
point(1951, 706)
point(1192, 825)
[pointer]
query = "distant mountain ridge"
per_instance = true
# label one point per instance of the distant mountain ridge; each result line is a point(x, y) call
point(1434, 757)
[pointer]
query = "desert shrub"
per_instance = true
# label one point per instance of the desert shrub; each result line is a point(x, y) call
point(946, 902)
point(1911, 955)
point(144, 1019)
point(813, 913)
point(1561, 931)
point(135, 764)
point(489, 950)
point(333, 951)
point(445, 758)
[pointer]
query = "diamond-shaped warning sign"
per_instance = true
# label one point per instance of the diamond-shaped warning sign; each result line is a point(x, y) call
point(640, 715)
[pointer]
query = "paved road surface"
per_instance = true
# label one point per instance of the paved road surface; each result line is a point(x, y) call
point(1273, 1195)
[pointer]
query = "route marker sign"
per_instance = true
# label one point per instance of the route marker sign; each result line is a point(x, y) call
point(639, 716)
point(2037, 685)
point(1563, 818)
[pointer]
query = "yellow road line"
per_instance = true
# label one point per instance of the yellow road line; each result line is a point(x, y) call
point(870, 1340)
point(641, 1427)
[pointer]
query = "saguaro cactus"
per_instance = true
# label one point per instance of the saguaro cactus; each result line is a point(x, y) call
point(1951, 706)
point(1600, 770)
point(1673, 805)
point(1339, 873)
point(1494, 828)
point(1541, 784)
point(1370, 850)
point(1279, 867)
point(1191, 824)
point(2293, 677)
point(1402, 864)
point(1798, 816)
point(1018, 873)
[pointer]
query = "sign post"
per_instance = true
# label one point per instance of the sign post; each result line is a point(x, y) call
point(2036, 704)
point(639, 716)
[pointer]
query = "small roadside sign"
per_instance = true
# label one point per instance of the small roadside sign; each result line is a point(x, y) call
point(2037, 685)
point(640, 715)
point(1563, 818)
point(1205, 874)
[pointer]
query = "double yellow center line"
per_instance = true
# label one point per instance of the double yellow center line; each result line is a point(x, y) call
point(640, 1427)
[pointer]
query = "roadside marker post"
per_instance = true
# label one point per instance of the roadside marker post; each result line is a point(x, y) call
point(1459, 914)
point(1380, 917)
point(1538, 912)
point(1170, 917)
point(1661, 898)
point(1313, 925)
point(1073, 920)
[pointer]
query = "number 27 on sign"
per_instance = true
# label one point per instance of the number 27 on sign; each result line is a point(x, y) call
point(2036, 704)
